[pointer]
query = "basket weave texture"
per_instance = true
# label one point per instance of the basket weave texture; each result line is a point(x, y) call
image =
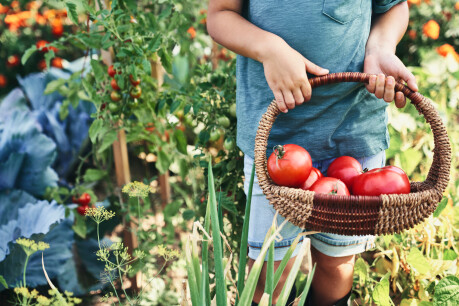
point(359, 215)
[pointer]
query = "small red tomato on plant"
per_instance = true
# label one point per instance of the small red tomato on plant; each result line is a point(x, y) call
point(330, 185)
point(12, 61)
point(115, 96)
point(85, 199)
point(57, 62)
point(82, 209)
point(313, 177)
point(114, 84)
point(42, 65)
point(135, 92)
point(134, 82)
point(111, 71)
point(289, 165)
point(3, 81)
point(385, 180)
point(346, 169)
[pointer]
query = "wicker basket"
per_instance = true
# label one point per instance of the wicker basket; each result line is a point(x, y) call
point(359, 215)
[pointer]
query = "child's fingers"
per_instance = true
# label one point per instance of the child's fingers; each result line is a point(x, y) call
point(307, 91)
point(371, 86)
point(389, 92)
point(288, 98)
point(400, 99)
point(314, 69)
point(280, 101)
point(380, 84)
point(298, 95)
point(409, 78)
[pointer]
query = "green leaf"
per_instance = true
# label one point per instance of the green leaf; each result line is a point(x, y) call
point(154, 43)
point(108, 140)
point(244, 238)
point(418, 261)
point(80, 227)
point(361, 270)
point(381, 292)
point(163, 162)
point(175, 105)
point(166, 60)
point(3, 282)
point(54, 86)
point(218, 250)
point(387, 239)
point(188, 214)
point(146, 66)
point(410, 159)
point(165, 12)
point(72, 12)
point(447, 292)
point(97, 69)
point(94, 130)
point(441, 206)
point(89, 88)
point(28, 53)
point(48, 57)
point(181, 141)
point(94, 175)
point(449, 255)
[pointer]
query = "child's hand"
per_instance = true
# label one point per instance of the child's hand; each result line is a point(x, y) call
point(387, 64)
point(285, 72)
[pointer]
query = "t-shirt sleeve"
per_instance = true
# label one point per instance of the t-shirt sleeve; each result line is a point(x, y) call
point(382, 6)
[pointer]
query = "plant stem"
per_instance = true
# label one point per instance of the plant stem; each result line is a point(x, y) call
point(25, 268)
point(98, 238)
point(121, 278)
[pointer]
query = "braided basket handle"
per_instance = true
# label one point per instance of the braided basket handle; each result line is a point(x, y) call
point(438, 176)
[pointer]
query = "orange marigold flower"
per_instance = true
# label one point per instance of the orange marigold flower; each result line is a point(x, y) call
point(40, 19)
point(446, 49)
point(416, 2)
point(56, 27)
point(4, 9)
point(203, 11)
point(203, 21)
point(431, 29)
point(412, 34)
point(192, 32)
point(33, 5)
point(456, 6)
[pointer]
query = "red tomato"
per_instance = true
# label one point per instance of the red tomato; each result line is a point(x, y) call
point(330, 185)
point(346, 169)
point(42, 46)
point(12, 61)
point(313, 177)
point(84, 199)
point(289, 165)
point(57, 62)
point(135, 92)
point(134, 82)
point(3, 81)
point(115, 96)
point(75, 200)
point(111, 71)
point(82, 209)
point(385, 180)
point(114, 84)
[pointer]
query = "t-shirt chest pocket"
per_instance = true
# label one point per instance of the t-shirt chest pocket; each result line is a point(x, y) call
point(342, 11)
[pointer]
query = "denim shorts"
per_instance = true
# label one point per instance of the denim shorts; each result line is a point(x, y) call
point(262, 214)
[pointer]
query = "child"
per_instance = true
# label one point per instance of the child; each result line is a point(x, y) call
point(279, 43)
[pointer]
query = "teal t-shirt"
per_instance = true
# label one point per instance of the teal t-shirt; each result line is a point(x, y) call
point(340, 119)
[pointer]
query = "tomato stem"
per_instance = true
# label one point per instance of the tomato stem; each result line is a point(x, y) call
point(279, 151)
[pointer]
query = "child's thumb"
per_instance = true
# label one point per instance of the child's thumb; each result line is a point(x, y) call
point(314, 69)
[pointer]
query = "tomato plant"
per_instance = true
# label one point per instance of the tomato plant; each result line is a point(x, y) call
point(385, 180)
point(134, 81)
point(135, 92)
point(330, 185)
point(289, 165)
point(346, 169)
point(82, 209)
point(111, 71)
point(313, 177)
